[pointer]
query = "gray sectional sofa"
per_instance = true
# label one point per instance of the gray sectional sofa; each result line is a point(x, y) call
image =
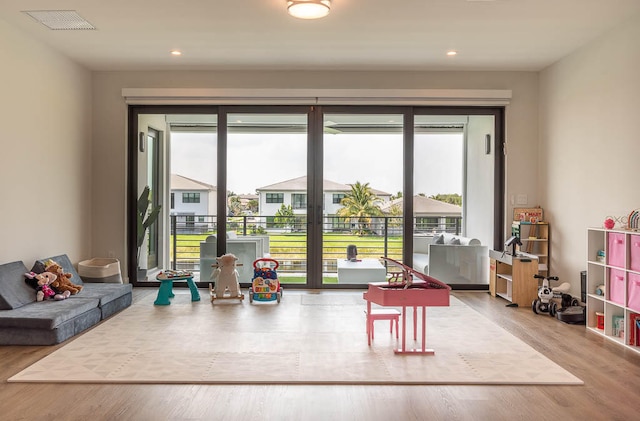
point(24, 321)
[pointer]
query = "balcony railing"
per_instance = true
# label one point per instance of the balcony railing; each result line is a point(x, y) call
point(374, 237)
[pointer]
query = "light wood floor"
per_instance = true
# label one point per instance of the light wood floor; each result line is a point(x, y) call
point(611, 375)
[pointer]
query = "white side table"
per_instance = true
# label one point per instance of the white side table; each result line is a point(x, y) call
point(361, 272)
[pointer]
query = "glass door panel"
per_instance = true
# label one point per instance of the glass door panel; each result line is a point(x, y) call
point(193, 190)
point(267, 192)
point(150, 148)
point(362, 196)
point(453, 196)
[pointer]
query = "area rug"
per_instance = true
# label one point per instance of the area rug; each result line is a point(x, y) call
point(305, 339)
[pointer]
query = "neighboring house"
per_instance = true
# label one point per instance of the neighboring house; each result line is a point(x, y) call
point(431, 215)
point(192, 202)
point(294, 192)
point(245, 199)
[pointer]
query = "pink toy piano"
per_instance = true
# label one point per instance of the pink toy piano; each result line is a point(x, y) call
point(412, 289)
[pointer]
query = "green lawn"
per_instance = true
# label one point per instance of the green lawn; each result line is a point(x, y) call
point(292, 246)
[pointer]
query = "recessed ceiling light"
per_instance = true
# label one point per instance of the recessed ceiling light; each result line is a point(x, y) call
point(452, 53)
point(176, 53)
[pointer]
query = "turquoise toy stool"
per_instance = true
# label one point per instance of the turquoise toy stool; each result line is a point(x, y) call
point(166, 279)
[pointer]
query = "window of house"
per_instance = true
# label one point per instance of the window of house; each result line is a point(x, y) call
point(275, 197)
point(337, 198)
point(173, 198)
point(190, 197)
point(298, 201)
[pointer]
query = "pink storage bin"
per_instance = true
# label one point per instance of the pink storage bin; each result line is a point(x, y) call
point(617, 286)
point(616, 251)
point(633, 292)
point(634, 252)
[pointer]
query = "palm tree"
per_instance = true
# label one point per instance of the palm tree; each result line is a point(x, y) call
point(359, 205)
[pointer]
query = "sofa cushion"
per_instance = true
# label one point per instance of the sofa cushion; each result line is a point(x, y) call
point(454, 241)
point(14, 292)
point(62, 260)
point(105, 293)
point(47, 314)
point(464, 241)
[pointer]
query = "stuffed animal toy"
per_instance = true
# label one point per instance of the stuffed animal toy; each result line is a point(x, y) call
point(226, 276)
point(42, 284)
point(62, 283)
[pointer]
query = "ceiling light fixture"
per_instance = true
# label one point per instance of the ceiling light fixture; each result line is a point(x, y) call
point(176, 53)
point(452, 53)
point(308, 9)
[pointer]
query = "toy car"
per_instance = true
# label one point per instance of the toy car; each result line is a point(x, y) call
point(265, 285)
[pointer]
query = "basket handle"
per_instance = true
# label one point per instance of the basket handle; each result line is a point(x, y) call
point(265, 259)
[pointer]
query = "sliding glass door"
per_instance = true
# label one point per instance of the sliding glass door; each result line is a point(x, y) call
point(267, 192)
point(362, 195)
point(322, 190)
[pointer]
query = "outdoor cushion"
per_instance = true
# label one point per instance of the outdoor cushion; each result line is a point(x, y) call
point(14, 292)
point(47, 314)
point(62, 260)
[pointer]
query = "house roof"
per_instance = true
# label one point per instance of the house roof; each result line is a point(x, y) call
point(425, 206)
point(300, 184)
point(179, 182)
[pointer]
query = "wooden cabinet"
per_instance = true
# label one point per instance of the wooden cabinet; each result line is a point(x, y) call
point(535, 240)
point(613, 284)
point(512, 277)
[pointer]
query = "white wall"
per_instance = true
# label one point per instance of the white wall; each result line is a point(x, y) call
point(589, 143)
point(45, 176)
point(110, 118)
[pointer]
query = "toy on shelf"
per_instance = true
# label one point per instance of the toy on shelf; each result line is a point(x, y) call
point(265, 285)
point(225, 277)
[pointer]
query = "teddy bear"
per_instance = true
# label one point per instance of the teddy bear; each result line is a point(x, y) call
point(63, 282)
point(41, 282)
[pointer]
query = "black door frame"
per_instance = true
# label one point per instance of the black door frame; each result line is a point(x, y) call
point(314, 170)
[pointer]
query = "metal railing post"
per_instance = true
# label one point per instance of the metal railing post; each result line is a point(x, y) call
point(386, 236)
point(175, 241)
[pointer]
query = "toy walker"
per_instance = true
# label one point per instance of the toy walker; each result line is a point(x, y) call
point(265, 285)
point(548, 297)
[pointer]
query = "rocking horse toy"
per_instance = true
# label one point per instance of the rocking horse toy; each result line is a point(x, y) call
point(225, 277)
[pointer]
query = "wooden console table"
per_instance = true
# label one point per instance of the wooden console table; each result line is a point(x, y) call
point(512, 277)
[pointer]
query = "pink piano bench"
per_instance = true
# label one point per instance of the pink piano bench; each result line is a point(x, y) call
point(390, 314)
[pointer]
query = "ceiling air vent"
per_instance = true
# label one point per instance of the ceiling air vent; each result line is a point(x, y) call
point(64, 20)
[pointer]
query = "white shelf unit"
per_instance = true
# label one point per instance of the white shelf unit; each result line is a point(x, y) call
point(613, 282)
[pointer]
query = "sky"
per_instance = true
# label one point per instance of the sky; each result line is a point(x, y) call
point(257, 160)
